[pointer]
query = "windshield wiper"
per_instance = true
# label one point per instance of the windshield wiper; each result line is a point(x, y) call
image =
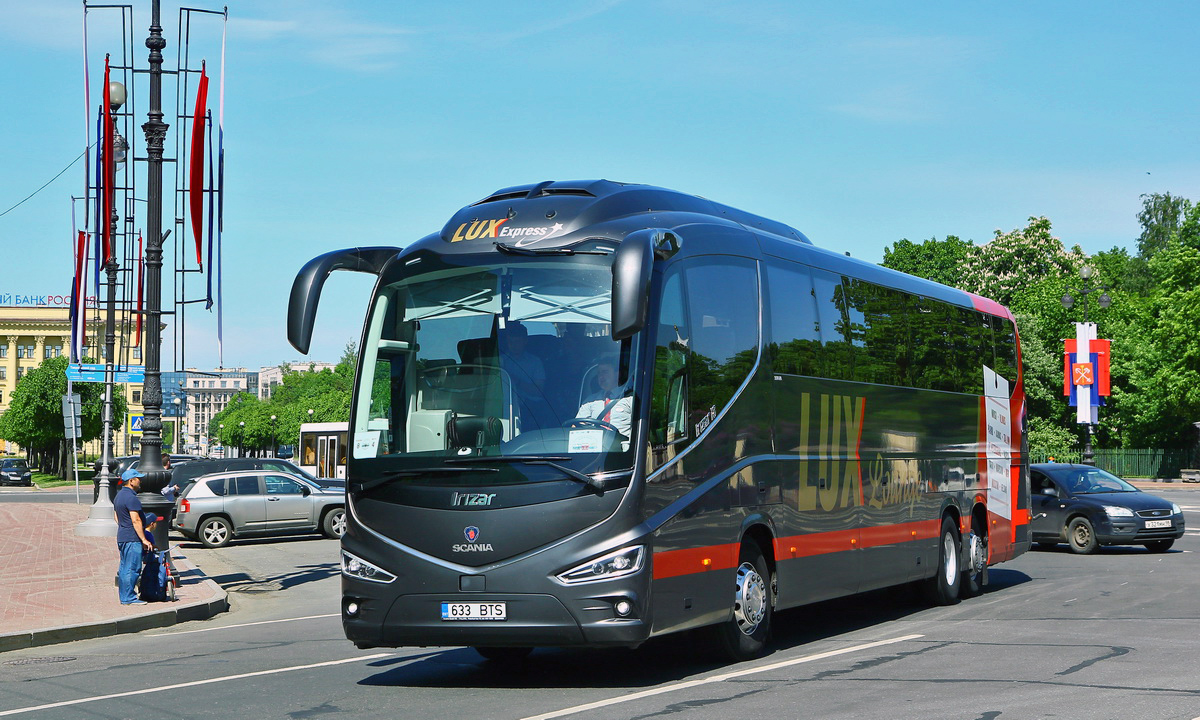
point(518, 250)
point(549, 460)
point(388, 477)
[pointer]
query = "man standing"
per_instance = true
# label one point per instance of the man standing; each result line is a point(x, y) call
point(131, 540)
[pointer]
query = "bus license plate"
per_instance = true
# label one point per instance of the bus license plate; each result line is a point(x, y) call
point(474, 611)
point(1158, 523)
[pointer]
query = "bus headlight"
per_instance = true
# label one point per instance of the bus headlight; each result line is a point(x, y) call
point(620, 563)
point(356, 567)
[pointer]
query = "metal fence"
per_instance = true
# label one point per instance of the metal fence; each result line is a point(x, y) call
point(1131, 463)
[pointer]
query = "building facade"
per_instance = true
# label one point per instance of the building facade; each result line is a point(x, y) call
point(32, 333)
point(203, 394)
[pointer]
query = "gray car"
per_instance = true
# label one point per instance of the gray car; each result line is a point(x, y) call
point(222, 506)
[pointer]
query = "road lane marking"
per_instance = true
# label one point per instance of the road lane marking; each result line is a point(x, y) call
point(717, 678)
point(194, 683)
point(242, 625)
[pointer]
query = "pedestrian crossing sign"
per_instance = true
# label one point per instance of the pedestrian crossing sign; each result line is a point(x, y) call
point(135, 423)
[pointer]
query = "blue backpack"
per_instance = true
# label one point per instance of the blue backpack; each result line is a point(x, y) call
point(153, 584)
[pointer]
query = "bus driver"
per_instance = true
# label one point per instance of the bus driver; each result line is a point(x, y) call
point(609, 404)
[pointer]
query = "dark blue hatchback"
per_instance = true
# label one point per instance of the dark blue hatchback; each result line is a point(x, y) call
point(1086, 507)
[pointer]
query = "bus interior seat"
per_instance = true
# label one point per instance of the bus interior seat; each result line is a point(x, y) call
point(475, 432)
point(437, 375)
point(477, 351)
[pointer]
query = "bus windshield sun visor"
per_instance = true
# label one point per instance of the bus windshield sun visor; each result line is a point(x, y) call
point(306, 288)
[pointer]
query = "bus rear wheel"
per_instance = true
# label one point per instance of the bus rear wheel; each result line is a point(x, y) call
point(943, 588)
point(744, 636)
point(976, 561)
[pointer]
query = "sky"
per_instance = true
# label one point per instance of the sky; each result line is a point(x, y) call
point(372, 122)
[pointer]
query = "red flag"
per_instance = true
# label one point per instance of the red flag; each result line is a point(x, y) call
point(196, 180)
point(137, 338)
point(109, 180)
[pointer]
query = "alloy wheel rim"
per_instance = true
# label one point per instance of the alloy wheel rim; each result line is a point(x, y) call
point(750, 602)
point(950, 562)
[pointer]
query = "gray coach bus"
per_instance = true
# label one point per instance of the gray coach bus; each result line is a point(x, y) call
point(590, 413)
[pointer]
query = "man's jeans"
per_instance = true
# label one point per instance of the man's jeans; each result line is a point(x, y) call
point(129, 570)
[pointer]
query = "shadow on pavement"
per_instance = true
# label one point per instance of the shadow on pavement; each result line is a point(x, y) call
point(659, 660)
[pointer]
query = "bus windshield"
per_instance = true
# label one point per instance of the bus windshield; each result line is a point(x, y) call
point(509, 360)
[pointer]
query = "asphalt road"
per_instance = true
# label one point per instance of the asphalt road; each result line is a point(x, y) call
point(1112, 635)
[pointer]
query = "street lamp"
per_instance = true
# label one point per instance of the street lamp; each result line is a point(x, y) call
point(101, 522)
point(1086, 273)
point(274, 439)
point(178, 419)
point(221, 437)
point(241, 437)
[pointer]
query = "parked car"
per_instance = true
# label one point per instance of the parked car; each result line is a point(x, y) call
point(242, 503)
point(187, 475)
point(15, 471)
point(125, 463)
point(1087, 507)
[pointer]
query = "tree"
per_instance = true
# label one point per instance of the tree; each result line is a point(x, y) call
point(1017, 260)
point(1161, 216)
point(34, 418)
point(938, 260)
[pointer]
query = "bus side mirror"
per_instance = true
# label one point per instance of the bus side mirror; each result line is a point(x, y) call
point(306, 288)
point(631, 268)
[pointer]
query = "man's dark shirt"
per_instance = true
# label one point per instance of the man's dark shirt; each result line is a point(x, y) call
point(126, 502)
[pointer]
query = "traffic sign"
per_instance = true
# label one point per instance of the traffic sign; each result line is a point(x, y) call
point(135, 423)
point(72, 422)
point(94, 372)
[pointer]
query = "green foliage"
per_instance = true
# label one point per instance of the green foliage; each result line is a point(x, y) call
point(938, 260)
point(34, 417)
point(247, 420)
point(1153, 320)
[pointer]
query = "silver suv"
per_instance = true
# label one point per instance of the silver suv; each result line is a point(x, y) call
point(222, 506)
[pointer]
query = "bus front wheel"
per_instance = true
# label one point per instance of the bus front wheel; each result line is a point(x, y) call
point(744, 636)
point(942, 588)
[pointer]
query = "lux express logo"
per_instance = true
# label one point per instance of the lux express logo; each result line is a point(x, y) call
point(481, 229)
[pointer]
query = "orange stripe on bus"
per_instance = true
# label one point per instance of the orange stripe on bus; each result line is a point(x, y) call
point(673, 563)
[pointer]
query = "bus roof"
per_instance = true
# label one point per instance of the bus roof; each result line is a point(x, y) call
point(549, 216)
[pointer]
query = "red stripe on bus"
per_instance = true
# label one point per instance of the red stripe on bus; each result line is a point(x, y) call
point(673, 563)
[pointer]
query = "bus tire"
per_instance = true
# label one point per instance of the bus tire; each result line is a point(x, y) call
point(943, 587)
point(504, 654)
point(975, 561)
point(744, 636)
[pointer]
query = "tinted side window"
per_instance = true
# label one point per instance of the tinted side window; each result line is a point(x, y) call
point(668, 401)
point(217, 486)
point(282, 485)
point(795, 324)
point(1004, 335)
point(723, 308)
point(246, 485)
point(833, 323)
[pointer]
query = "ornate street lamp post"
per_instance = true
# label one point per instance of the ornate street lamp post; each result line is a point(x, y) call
point(156, 132)
point(1068, 301)
point(101, 522)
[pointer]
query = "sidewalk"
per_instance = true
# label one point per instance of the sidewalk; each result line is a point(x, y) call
point(58, 587)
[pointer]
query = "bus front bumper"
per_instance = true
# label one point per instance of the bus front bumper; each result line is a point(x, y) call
point(372, 617)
